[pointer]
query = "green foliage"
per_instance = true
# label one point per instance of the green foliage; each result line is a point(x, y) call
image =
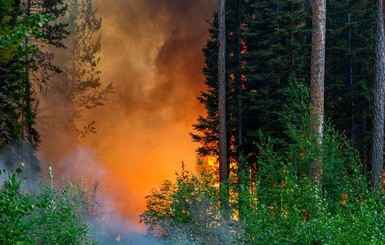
point(14, 208)
point(287, 208)
point(16, 57)
point(279, 204)
point(186, 211)
point(265, 47)
point(349, 67)
point(49, 217)
point(297, 213)
point(12, 36)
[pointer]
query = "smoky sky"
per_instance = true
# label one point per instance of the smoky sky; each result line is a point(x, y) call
point(152, 53)
point(154, 50)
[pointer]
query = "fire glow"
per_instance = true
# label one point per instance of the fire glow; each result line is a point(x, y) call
point(151, 52)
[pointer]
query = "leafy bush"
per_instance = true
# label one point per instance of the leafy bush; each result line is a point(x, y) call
point(186, 211)
point(49, 217)
point(287, 208)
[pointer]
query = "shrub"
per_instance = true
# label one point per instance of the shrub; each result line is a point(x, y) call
point(186, 211)
point(288, 208)
point(48, 217)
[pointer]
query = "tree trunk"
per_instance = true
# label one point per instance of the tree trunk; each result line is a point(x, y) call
point(223, 161)
point(378, 108)
point(317, 80)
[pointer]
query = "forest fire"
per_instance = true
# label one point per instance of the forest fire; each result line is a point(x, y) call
point(111, 109)
point(151, 52)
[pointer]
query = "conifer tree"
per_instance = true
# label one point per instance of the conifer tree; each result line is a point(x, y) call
point(349, 69)
point(10, 71)
point(206, 127)
point(16, 92)
point(83, 76)
point(259, 88)
point(39, 67)
point(276, 52)
point(79, 85)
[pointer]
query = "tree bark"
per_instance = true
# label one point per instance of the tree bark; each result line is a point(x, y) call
point(378, 107)
point(317, 80)
point(223, 161)
point(243, 168)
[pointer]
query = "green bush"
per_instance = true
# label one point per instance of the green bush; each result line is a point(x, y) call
point(287, 208)
point(186, 211)
point(49, 217)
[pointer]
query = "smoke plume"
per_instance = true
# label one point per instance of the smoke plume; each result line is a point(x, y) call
point(151, 52)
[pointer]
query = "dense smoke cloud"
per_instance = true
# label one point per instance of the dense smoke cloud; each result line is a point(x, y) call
point(151, 52)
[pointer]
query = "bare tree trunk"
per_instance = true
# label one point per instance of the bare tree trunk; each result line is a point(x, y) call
point(317, 80)
point(378, 108)
point(243, 168)
point(223, 161)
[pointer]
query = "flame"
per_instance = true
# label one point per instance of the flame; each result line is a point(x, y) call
point(212, 161)
point(344, 199)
